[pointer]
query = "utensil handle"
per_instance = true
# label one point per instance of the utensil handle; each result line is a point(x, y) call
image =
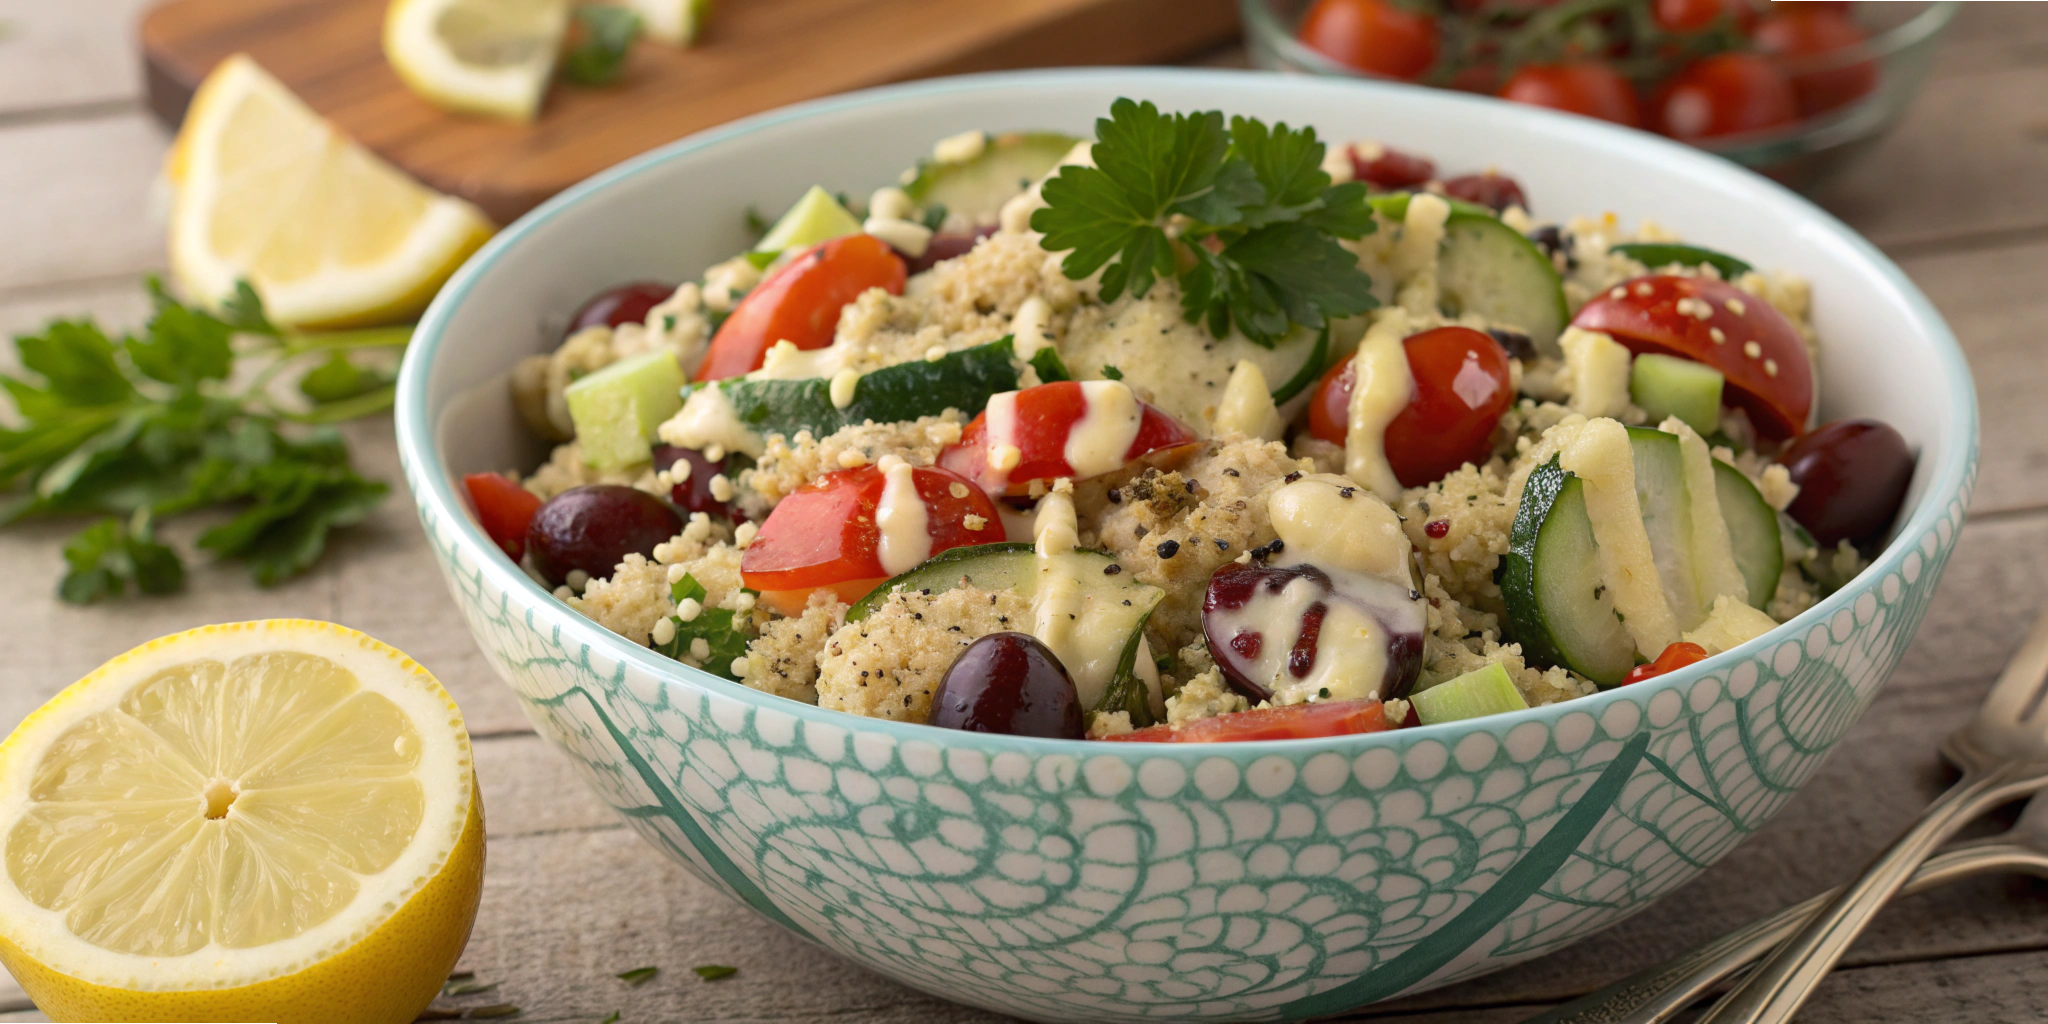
point(1658, 993)
point(1777, 989)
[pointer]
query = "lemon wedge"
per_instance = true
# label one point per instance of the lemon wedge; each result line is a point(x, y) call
point(330, 235)
point(675, 22)
point(477, 56)
point(272, 821)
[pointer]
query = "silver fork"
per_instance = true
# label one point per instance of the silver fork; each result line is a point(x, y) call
point(2003, 754)
point(1659, 993)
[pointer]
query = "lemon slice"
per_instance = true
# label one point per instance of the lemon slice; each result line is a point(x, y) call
point(271, 821)
point(675, 22)
point(477, 56)
point(330, 235)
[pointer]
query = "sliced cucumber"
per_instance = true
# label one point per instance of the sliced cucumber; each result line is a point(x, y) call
point(1490, 269)
point(1667, 517)
point(616, 409)
point(1476, 694)
point(815, 218)
point(1664, 254)
point(975, 190)
point(1752, 532)
point(1394, 205)
point(1311, 369)
point(1117, 600)
point(1550, 582)
point(961, 380)
point(1664, 386)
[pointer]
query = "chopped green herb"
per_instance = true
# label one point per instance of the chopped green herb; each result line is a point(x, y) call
point(1111, 373)
point(757, 223)
point(1258, 194)
point(602, 34)
point(495, 1010)
point(934, 216)
point(713, 972)
point(1049, 365)
point(613, 1019)
point(148, 427)
point(639, 975)
point(725, 638)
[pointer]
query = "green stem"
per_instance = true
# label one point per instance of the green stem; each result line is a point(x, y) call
point(346, 409)
point(395, 336)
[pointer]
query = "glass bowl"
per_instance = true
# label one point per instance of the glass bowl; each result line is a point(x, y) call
point(1902, 41)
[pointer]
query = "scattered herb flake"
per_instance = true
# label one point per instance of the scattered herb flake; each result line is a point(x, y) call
point(1050, 366)
point(1111, 373)
point(468, 988)
point(601, 36)
point(613, 1019)
point(724, 634)
point(935, 216)
point(494, 1010)
point(713, 972)
point(461, 975)
point(639, 975)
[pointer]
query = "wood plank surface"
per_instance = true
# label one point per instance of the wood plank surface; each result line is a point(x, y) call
point(572, 897)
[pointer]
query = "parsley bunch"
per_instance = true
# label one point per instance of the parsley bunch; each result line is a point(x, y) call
point(152, 426)
point(1245, 219)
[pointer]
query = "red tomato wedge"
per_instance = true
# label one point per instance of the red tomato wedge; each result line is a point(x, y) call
point(824, 533)
point(1461, 389)
point(1045, 418)
point(800, 302)
point(1715, 323)
point(1293, 722)
point(1672, 658)
point(503, 508)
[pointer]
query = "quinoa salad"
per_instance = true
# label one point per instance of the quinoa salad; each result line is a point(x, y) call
point(1201, 429)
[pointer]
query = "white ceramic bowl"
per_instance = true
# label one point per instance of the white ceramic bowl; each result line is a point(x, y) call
point(1067, 881)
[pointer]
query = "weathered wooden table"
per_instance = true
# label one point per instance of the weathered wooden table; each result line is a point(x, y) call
point(1959, 196)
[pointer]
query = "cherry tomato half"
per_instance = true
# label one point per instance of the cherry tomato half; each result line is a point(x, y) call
point(1496, 192)
point(824, 533)
point(503, 508)
point(1592, 90)
point(1758, 350)
point(1725, 94)
point(1045, 417)
point(1389, 169)
point(1292, 722)
point(1800, 38)
point(1372, 36)
point(800, 302)
point(1461, 389)
point(1671, 659)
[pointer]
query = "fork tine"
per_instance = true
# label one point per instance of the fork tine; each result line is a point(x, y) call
point(2017, 695)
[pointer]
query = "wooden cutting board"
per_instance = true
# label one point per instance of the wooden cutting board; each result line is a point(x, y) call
point(755, 55)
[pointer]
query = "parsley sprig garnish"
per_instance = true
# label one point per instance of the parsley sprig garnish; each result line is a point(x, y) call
point(725, 632)
point(158, 425)
point(1245, 219)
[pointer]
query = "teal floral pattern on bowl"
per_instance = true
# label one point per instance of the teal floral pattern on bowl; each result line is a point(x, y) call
point(1063, 880)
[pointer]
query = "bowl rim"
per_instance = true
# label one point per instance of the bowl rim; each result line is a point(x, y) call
point(434, 489)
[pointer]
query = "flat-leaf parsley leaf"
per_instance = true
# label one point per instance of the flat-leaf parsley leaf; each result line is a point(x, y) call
point(1244, 219)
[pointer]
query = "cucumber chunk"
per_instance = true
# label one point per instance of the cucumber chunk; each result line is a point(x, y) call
point(961, 380)
point(816, 217)
point(1664, 254)
point(1311, 369)
point(975, 190)
point(1117, 601)
point(1490, 269)
point(1752, 532)
point(1664, 386)
point(616, 409)
point(1550, 583)
point(1480, 692)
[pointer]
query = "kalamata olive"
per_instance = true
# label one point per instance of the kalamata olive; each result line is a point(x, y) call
point(694, 493)
point(592, 528)
point(1009, 683)
point(1495, 191)
point(1852, 477)
point(1555, 241)
point(1293, 633)
point(1384, 167)
point(626, 304)
point(946, 245)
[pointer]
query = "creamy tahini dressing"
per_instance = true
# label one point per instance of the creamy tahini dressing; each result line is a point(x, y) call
point(901, 517)
point(1415, 255)
point(1099, 442)
point(785, 361)
point(1601, 457)
point(1319, 523)
point(1350, 650)
point(1001, 426)
point(708, 418)
point(1382, 387)
point(1063, 613)
point(1030, 330)
point(1247, 406)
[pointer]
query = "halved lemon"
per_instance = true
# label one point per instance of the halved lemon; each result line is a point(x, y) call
point(675, 22)
point(329, 234)
point(264, 821)
point(477, 56)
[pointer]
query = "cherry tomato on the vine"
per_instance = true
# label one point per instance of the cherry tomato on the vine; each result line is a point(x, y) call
point(1801, 39)
point(1714, 322)
point(1590, 89)
point(1725, 94)
point(1461, 389)
point(825, 534)
point(1694, 15)
point(800, 302)
point(1373, 36)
